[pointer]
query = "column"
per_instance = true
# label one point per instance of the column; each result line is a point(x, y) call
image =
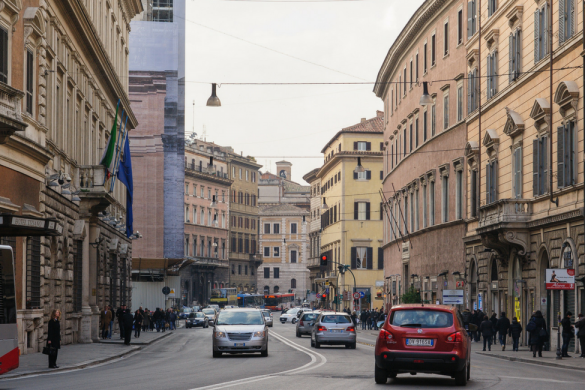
point(85, 331)
point(92, 277)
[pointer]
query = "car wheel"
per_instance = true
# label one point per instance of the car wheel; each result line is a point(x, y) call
point(298, 333)
point(216, 354)
point(392, 375)
point(380, 375)
point(347, 346)
point(265, 352)
point(461, 377)
point(312, 342)
point(317, 344)
point(293, 321)
point(468, 370)
point(353, 346)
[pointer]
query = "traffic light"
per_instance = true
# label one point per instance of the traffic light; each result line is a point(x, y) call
point(324, 260)
point(341, 269)
point(323, 297)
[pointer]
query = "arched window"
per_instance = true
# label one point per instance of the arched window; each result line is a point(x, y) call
point(266, 289)
point(293, 283)
point(494, 270)
point(214, 285)
point(221, 285)
point(276, 289)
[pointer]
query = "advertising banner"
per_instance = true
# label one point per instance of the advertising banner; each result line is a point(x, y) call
point(560, 279)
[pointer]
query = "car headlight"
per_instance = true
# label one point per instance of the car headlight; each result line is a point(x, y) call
point(259, 334)
point(219, 335)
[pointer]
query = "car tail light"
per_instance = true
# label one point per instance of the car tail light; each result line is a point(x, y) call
point(418, 361)
point(322, 329)
point(350, 329)
point(301, 323)
point(455, 338)
point(385, 336)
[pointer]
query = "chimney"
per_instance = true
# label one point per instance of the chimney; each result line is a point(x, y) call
point(363, 120)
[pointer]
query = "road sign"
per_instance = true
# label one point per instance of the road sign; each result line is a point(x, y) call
point(362, 294)
point(327, 283)
point(356, 295)
point(327, 290)
point(452, 297)
point(166, 290)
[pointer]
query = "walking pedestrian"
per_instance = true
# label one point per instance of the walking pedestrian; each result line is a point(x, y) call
point(173, 320)
point(119, 315)
point(567, 334)
point(466, 316)
point(111, 322)
point(54, 337)
point(581, 335)
point(105, 319)
point(494, 320)
point(487, 330)
point(363, 319)
point(127, 322)
point(478, 321)
point(515, 332)
point(502, 326)
point(354, 319)
point(146, 320)
point(137, 323)
point(538, 333)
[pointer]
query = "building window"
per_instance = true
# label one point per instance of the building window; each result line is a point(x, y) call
point(471, 18)
point(474, 193)
point(361, 211)
point(293, 228)
point(460, 27)
point(410, 138)
point(266, 273)
point(515, 64)
point(433, 120)
point(492, 7)
point(459, 103)
point(424, 219)
point(424, 126)
point(425, 59)
point(293, 256)
point(416, 67)
point(541, 27)
point(446, 39)
point(162, 11)
point(245, 270)
point(411, 74)
point(432, 204)
point(459, 195)
point(276, 273)
point(491, 181)
point(29, 81)
point(406, 214)
point(293, 283)
point(186, 245)
point(404, 90)
point(361, 258)
point(411, 212)
point(472, 95)
point(446, 112)
point(266, 228)
point(4, 55)
point(276, 228)
point(362, 146)
point(566, 19)
point(445, 199)
point(517, 173)
point(492, 73)
point(266, 251)
point(416, 208)
point(566, 166)
point(276, 251)
point(404, 142)
point(416, 132)
point(433, 51)
point(239, 269)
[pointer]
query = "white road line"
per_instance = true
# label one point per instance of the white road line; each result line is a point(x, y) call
point(536, 379)
point(309, 366)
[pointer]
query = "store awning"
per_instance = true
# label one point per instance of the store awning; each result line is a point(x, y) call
point(15, 225)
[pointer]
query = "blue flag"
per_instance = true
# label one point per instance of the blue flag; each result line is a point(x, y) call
point(125, 177)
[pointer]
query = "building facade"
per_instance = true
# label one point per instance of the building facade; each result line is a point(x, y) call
point(424, 165)
point(207, 194)
point(314, 230)
point(244, 258)
point(61, 82)
point(524, 159)
point(351, 220)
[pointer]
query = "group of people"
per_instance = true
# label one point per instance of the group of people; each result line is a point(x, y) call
point(142, 320)
point(369, 318)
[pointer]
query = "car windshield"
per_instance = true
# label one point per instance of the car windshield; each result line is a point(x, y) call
point(199, 315)
point(208, 311)
point(266, 313)
point(309, 317)
point(240, 318)
point(336, 319)
point(421, 318)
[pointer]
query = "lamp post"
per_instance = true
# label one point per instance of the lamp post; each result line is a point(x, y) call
point(559, 353)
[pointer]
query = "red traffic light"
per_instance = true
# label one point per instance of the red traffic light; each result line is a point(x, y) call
point(323, 296)
point(324, 259)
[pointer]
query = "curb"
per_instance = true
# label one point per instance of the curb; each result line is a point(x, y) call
point(524, 360)
point(140, 343)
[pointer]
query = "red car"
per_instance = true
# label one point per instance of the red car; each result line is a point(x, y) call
point(423, 338)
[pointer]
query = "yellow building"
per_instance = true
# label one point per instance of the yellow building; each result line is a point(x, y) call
point(351, 222)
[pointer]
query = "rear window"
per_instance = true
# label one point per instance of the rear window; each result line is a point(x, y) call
point(266, 313)
point(309, 317)
point(421, 318)
point(336, 319)
point(199, 315)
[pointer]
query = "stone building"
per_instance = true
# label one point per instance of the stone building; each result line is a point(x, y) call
point(244, 258)
point(524, 160)
point(61, 81)
point(207, 194)
point(351, 214)
point(314, 220)
point(424, 164)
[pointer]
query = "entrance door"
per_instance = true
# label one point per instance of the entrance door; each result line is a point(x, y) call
point(569, 305)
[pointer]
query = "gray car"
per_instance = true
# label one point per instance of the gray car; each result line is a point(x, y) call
point(240, 331)
point(268, 317)
point(333, 329)
point(306, 322)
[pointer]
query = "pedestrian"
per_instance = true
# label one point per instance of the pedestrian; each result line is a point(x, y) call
point(127, 322)
point(137, 323)
point(354, 319)
point(494, 320)
point(515, 331)
point(538, 333)
point(105, 319)
point(466, 316)
point(363, 319)
point(581, 335)
point(502, 326)
point(111, 322)
point(173, 320)
point(119, 315)
point(478, 320)
point(146, 320)
point(487, 330)
point(567, 334)
point(54, 337)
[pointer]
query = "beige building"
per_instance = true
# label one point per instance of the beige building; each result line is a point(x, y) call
point(65, 68)
point(314, 229)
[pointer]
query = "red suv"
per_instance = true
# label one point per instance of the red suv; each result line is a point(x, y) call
point(423, 338)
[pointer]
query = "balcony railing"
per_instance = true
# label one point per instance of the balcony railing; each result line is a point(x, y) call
point(10, 113)
point(507, 211)
point(197, 168)
point(94, 189)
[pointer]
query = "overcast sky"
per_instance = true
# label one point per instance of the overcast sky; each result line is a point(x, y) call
point(334, 41)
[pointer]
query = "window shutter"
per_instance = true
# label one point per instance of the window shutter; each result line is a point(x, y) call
point(535, 166)
point(369, 258)
point(488, 183)
point(367, 211)
point(569, 154)
point(368, 175)
point(355, 210)
point(4, 54)
point(495, 73)
point(368, 146)
point(511, 65)
point(381, 175)
point(381, 211)
point(380, 258)
point(494, 195)
point(536, 35)
point(469, 83)
point(562, 23)
point(518, 57)
point(475, 89)
point(469, 19)
point(473, 193)
point(353, 257)
point(355, 146)
point(518, 171)
point(544, 30)
point(544, 164)
point(571, 17)
point(355, 176)
point(489, 76)
point(561, 152)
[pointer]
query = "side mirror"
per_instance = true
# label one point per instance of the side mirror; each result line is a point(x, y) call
point(472, 327)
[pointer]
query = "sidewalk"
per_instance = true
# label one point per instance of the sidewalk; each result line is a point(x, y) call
point(77, 356)
point(524, 355)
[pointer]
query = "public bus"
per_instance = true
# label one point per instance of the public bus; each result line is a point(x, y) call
point(278, 300)
point(9, 353)
point(223, 297)
point(251, 300)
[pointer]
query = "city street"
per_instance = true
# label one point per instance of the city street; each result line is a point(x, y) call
point(183, 361)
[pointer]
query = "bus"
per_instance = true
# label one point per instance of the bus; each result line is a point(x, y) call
point(9, 353)
point(251, 300)
point(223, 297)
point(277, 300)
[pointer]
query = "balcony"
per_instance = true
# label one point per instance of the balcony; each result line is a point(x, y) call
point(201, 170)
point(94, 190)
point(10, 114)
point(505, 211)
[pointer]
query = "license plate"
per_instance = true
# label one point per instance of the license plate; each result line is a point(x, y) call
point(239, 344)
point(419, 342)
point(336, 330)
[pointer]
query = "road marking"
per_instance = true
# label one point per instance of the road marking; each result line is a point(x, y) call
point(309, 366)
point(537, 379)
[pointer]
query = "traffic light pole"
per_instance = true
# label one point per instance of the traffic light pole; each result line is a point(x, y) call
point(345, 267)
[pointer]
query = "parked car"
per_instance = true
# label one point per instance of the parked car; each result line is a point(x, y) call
point(197, 319)
point(290, 315)
point(426, 339)
point(210, 314)
point(333, 328)
point(268, 317)
point(240, 331)
point(306, 322)
point(185, 313)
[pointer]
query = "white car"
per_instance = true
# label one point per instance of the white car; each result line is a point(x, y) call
point(290, 316)
point(210, 314)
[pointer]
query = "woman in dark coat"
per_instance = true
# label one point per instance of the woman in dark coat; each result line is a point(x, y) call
point(487, 331)
point(54, 337)
point(538, 335)
point(515, 332)
point(137, 323)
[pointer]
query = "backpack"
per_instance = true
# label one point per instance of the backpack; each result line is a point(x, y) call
point(531, 326)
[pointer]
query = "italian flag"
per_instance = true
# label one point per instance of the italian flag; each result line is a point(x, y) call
point(108, 158)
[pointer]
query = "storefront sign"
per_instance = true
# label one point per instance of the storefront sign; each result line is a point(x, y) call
point(560, 279)
point(480, 299)
point(27, 222)
point(452, 297)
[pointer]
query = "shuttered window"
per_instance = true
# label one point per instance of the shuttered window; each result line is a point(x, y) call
point(361, 258)
point(380, 258)
point(3, 55)
point(472, 92)
point(471, 18)
point(459, 195)
point(566, 155)
point(29, 81)
point(445, 200)
point(517, 173)
point(541, 26)
point(515, 63)
point(433, 120)
point(433, 50)
point(540, 166)
point(491, 182)
point(361, 211)
point(474, 192)
point(446, 112)
point(77, 274)
point(424, 126)
point(566, 19)
point(492, 7)
point(432, 204)
point(492, 72)
point(424, 200)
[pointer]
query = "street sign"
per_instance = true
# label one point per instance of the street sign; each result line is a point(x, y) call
point(452, 297)
point(166, 290)
point(356, 295)
point(460, 284)
point(362, 294)
point(327, 290)
point(543, 301)
point(171, 293)
point(327, 283)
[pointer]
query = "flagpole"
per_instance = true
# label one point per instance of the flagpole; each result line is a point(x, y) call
point(106, 147)
point(116, 148)
point(123, 134)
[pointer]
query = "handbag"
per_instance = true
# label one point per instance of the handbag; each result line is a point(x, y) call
point(49, 351)
point(542, 332)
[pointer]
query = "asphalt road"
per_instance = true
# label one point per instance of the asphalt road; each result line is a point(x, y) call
point(184, 361)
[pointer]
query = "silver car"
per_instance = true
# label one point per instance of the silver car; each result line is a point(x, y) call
point(306, 322)
point(210, 313)
point(268, 317)
point(334, 329)
point(240, 331)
